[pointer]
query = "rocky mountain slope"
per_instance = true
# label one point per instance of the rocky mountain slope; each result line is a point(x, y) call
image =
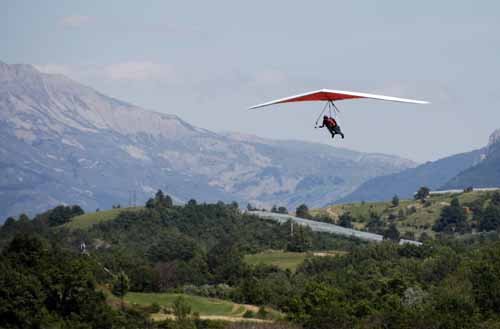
point(484, 174)
point(62, 142)
point(478, 168)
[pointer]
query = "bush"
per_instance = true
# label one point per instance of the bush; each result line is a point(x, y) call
point(249, 314)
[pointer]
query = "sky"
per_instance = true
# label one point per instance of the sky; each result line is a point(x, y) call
point(208, 61)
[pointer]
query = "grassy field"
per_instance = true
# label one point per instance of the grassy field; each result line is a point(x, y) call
point(207, 308)
point(416, 216)
point(87, 220)
point(201, 305)
point(283, 259)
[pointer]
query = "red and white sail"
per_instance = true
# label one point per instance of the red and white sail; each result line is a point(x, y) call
point(335, 95)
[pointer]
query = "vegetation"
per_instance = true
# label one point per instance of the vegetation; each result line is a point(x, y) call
point(415, 219)
point(43, 286)
point(168, 262)
point(281, 259)
point(422, 193)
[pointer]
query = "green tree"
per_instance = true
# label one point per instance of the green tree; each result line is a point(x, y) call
point(453, 219)
point(345, 220)
point(282, 210)
point(182, 312)
point(495, 198)
point(422, 193)
point(300, 240)
point(395, 201)
point(375, 224)
point(489, 219)
point(302, 211)
point(392, 233)
point(121, 285)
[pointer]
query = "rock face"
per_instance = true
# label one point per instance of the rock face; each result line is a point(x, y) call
point(62, 142)
point(486, 173)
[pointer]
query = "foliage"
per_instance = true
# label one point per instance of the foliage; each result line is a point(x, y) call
point(453, 219)
point(121, 285)
point(395, 201)
point(302, 211)
point(300, 240)
point(392, 233)
point(60, 215)
point(422, 193)
point(44, 286)
point(345, 220)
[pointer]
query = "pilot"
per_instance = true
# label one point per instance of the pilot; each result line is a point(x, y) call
point(332, 126)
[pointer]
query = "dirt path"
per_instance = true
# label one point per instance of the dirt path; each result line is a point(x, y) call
point(161, 317)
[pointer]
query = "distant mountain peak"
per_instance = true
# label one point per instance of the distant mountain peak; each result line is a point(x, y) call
point(494, 138)
point(63, 142)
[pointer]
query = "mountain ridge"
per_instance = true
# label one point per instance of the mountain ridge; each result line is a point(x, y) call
point(67, 143)
point(477, 168)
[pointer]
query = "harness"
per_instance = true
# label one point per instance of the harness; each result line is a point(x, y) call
point(330, 105)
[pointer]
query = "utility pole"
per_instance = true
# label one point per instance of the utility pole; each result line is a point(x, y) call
point(291, 228)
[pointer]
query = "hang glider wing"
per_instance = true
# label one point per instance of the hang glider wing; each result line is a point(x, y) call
point(335, 95)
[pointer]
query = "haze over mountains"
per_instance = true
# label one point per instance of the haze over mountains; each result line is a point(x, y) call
point(62, 142)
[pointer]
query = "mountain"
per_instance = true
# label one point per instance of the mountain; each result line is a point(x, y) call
point(62, 142)
point(484, 174)
point(405, 183)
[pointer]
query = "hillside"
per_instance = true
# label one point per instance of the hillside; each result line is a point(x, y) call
point(405, 183)
point(484, 174)
point(65, 143)
point(410, 216)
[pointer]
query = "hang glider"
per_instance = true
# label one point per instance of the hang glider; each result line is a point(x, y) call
point(331, 96)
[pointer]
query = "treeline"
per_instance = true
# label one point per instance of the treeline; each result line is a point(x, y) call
point(44, 286)
point(440, 285)
point(482, 214)
point(198, 247)
point(165, 247)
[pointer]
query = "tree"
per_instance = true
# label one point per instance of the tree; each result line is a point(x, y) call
point(10, 221)
point(392, 233)
point(302, 211)
point(182, 312)
point(375, 224)
point(453, 219)
point(495, 198)
point(489, 219)
point(121, 285)
point(160, 201)
point(395, 201)
point(282, 210)
point(23, 218)
point(274, 209)
point(422, 193)
point(345, 220)
point(301, 240)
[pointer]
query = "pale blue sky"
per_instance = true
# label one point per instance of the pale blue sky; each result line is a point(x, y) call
point(207, 61)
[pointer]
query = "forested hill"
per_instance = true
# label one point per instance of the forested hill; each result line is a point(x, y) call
point(46, 281)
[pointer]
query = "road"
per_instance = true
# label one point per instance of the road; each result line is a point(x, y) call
point(326, 227)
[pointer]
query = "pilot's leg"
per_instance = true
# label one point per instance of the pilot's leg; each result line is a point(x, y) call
point(338, 131)
point(332, 131)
